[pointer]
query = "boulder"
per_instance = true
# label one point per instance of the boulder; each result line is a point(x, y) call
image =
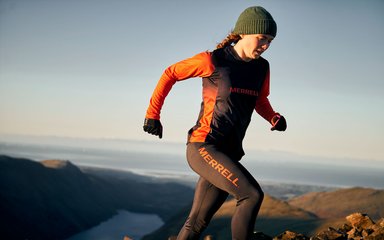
point(288, 235)
point(330, 234)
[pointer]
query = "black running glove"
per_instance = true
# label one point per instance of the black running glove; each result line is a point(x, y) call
point(153, 126)
point(278, 123)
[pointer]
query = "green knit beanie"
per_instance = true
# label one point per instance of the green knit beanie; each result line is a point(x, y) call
point(255, 20)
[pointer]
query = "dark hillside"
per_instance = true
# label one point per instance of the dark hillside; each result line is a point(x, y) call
point(55, 199)
point(61, 200)
point(140, 194)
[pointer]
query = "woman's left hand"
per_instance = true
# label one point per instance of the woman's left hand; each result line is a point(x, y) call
point(278, 123)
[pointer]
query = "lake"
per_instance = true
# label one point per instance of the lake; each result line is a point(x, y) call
point(134, 225)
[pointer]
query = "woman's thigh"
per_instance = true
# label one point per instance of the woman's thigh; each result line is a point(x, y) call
point(220, 170)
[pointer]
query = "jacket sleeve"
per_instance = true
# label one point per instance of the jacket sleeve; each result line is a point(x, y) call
point(263, 106)
point(199, 65)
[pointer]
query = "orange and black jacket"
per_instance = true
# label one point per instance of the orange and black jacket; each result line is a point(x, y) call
point(232, 90)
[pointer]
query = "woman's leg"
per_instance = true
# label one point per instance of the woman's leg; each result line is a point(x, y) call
point(206, 202)
point(230, 176)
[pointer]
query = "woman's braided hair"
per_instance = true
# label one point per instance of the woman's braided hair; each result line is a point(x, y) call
point(229, 40)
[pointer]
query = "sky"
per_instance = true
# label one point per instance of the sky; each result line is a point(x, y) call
point(87, 69)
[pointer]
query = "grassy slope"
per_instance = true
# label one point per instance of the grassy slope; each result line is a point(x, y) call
point(339, 203)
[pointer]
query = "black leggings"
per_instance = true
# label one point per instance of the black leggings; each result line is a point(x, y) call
point(219, 176)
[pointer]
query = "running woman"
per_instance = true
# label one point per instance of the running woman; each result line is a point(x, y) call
point(235, 83)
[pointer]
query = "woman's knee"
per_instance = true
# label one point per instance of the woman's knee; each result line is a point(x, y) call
point(256, 194)
point(252, 194)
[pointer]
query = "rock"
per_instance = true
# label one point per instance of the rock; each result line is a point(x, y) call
point(377, 231)
point(330, 234)
point(379, 226)
point(288, 235)
point(354, 233)
point(380, 223)
point(363, 227)
point(346, 227)
point(360, 221)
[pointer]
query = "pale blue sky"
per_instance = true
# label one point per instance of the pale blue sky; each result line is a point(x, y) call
point(87, 68)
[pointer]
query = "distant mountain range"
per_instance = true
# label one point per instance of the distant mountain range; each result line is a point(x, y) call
point(56, 199)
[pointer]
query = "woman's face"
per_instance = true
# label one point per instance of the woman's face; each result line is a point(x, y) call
point(253, 45)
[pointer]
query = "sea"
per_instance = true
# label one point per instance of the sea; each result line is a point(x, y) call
point(166, 160)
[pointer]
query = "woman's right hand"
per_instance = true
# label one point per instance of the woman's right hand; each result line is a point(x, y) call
point(153, 126)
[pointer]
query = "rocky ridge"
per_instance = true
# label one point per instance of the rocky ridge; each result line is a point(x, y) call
point(359, 226)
